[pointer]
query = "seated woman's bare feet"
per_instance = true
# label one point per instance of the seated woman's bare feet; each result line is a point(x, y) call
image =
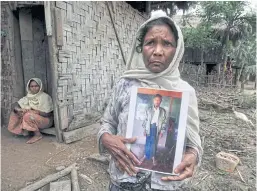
point(35, 138)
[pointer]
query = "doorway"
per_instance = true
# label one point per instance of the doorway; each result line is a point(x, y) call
point(34, 46)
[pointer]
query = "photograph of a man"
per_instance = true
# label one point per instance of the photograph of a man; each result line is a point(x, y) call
point(154, 128)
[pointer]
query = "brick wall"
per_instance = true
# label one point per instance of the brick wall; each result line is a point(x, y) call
point(90, 60)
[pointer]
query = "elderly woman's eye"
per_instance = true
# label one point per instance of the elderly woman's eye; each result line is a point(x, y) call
point(167, 43)
point(149, 43)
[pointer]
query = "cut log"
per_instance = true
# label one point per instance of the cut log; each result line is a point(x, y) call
point(84, 120)
point(74, 180)
point(62, 185)
point(99, 158)
point(49, 178)
point(78, 134)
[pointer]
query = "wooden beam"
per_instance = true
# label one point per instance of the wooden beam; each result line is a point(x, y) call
point(74, 180)
point(163, 4)
point(49, 131)
point(49, 178)
point(54, 76)
point(78, 134)
point(48, 18)
point(58, 27)
point(115, 31)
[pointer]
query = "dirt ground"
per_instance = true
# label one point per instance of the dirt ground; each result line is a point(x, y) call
point(23, 164)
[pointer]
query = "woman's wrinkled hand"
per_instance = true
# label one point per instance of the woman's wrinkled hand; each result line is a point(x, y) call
point(21, 111)
point(124, 159)
point(35, 111)
point(185, 168)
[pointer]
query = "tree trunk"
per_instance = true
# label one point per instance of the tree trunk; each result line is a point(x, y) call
point(225, 55)
point(242, 83)
point(199, 67)
point(239, 73)
point(202, 61)
point(183, 18)
point(244, 80)
point(235, 78)
point(218, 71)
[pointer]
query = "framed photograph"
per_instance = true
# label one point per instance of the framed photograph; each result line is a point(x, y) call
point(158, 119)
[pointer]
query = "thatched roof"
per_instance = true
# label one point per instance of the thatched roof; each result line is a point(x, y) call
point(142, 5)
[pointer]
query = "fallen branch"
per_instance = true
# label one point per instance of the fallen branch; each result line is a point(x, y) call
point(48, 179)
point(74, 180)
point(214, 105)
point(240, 176)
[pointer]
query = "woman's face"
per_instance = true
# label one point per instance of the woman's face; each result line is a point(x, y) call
point(159, 48)
point(34, 87)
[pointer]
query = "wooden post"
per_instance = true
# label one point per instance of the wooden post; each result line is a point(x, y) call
point(115, 31)
point(148, 8)
point(53, 60)
point(48, 22)
point(74, 180)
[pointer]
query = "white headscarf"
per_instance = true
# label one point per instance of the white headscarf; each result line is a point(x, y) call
point(168, 79)
point(40, 101)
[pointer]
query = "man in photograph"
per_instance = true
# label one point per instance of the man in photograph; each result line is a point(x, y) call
point(154, 127)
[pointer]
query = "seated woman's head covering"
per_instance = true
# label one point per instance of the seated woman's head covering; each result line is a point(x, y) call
point(39, 101)
point(167, 79)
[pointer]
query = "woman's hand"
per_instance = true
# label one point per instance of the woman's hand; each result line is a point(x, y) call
point(17, 109)
point(124, 159)
point(20, 111)
point(186, 167)
point(25, 111)
point(35, 111)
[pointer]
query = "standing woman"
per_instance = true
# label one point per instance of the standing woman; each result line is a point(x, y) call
point(154, 60)
point(32, 112)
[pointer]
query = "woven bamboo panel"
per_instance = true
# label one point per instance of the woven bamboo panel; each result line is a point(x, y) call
point(90, 60)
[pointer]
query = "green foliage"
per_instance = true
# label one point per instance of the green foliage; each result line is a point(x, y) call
point(200, 37)
point(245, 54)
point(225, 12)
point(229, 18)
point(174, 6)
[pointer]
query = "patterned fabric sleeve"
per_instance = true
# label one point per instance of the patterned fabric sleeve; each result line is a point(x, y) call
point(193, 121)
point(110, 117)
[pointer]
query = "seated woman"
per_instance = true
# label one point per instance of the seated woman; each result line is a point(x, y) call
point(32, 112)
